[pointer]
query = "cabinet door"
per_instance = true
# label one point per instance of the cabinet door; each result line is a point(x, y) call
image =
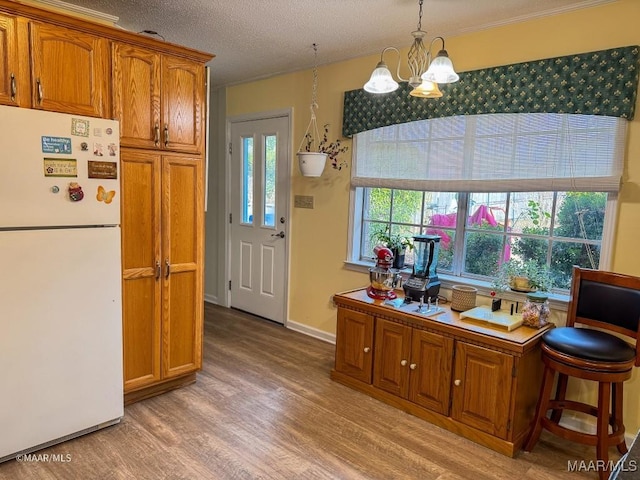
point(70, 71)
point(354, 344)
point(136, 95)
point(482, 388)
point(141, 287)
point(182, 254)
point(14, 82)
point(430, 370)
point(391, 358)
point(182, 105)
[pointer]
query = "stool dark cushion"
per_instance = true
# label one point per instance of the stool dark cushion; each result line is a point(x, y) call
point(589, 344)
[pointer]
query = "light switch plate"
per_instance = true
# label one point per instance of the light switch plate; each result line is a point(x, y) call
point(303, 201)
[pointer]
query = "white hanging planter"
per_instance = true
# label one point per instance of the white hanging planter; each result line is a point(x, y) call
point(311, 164)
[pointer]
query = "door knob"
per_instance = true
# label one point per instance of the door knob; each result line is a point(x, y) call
point(281, 234)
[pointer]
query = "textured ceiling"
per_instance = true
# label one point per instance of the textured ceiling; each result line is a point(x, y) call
point(260, 38)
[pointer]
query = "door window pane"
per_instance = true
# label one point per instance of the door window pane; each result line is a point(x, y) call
point(270, 149)
point(247, 180)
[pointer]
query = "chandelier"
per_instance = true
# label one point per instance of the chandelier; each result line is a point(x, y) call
point(425, 74)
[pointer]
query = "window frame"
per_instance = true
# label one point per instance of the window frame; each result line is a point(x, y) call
point(558, 301)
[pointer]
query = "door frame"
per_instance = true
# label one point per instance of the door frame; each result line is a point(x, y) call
point(288, 115)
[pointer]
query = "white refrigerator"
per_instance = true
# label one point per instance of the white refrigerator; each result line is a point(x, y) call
point(60, 278)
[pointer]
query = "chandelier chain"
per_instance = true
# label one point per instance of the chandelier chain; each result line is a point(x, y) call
point(420, 16)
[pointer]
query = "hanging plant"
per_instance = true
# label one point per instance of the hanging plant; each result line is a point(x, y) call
point(332, 149)
point(314, 149)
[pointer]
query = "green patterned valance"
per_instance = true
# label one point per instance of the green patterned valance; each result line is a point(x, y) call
point(596, 83)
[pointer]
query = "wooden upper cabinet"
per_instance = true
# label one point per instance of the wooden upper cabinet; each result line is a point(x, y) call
point(69, 71)
point(8, 61)
point(136, 95)
point(182, 104)
point(159, 100)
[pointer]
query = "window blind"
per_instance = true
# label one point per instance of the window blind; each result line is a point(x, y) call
point(513, 152)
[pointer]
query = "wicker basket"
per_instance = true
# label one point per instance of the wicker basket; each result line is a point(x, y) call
point(463, 298)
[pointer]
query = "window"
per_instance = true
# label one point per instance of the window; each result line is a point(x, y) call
point(525, 186)
point(480, 230)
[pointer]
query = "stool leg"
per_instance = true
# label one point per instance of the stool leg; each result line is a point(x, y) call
point(561, 392)
point(617, 421)
point(602, 447)
point(541, 408)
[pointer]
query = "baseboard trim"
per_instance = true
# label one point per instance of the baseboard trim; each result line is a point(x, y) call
point(588, 425)
point(211, 298)
point(312, 332)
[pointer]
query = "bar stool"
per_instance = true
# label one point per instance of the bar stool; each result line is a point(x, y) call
point(608, 302)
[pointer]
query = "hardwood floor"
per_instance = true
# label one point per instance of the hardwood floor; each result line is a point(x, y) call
point(264, 408)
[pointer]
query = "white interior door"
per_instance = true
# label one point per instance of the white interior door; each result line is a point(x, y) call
point(259, 216)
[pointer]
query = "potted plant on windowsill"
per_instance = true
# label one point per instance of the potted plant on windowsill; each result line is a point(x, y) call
point(519, 276)
point(398, 244)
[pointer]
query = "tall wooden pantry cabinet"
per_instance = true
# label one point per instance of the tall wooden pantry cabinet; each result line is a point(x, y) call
point(159, 99)
point(58, 62)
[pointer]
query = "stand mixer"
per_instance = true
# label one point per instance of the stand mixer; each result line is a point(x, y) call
point(382, 278)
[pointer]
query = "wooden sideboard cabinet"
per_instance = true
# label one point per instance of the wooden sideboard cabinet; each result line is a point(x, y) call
point(481, 383)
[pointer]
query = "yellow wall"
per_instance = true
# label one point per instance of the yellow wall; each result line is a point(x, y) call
point(319, 236)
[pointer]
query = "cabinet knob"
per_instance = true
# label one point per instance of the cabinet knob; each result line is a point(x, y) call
point(403, 362)
point(457, 382)
point(367, 349)
point(413, 366)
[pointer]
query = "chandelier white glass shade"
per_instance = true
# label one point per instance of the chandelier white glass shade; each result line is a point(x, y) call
point(420, 64)
point(441, 68)
point(381, 80)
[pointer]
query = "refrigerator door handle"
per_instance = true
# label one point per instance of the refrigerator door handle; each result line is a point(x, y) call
point(168, 267)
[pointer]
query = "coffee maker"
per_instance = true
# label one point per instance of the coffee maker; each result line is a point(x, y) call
point(423, 284)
